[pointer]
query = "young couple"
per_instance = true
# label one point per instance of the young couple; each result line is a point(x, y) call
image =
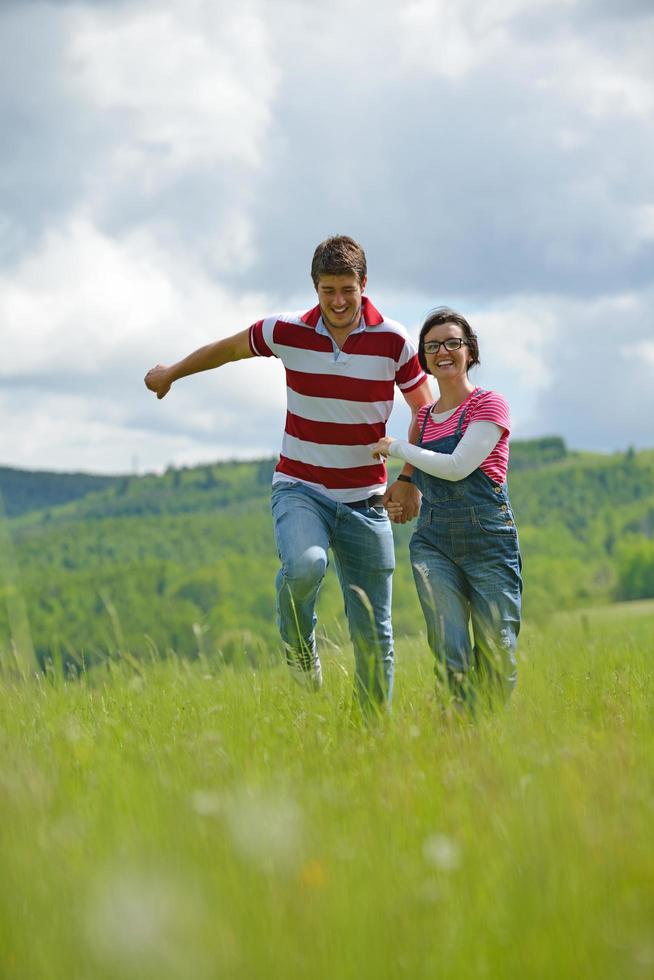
point(342, 360)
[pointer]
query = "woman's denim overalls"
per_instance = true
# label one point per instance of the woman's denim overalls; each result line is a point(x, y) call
point(466, 566)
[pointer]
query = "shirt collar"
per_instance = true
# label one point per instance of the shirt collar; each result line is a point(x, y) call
point(370, 315)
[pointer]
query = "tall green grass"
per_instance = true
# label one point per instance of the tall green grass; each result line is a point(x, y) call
point(21, 649)
point(176, 820)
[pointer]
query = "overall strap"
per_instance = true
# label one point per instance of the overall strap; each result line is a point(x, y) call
point(424, 422)
point(457, 433)
point(480, 391)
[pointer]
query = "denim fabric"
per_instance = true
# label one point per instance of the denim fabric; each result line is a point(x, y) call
point(307, 524)
point(467, 569)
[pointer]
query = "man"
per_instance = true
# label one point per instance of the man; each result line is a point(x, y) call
point(342, 361)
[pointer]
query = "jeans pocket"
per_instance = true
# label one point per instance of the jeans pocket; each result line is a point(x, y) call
point(424, 518)
point(444, 491)
point(278, 490)
point(499, 522)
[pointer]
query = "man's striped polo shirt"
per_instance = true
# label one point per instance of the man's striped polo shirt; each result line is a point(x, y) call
point(338, 401)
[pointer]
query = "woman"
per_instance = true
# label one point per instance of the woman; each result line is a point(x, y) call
point(464, 552)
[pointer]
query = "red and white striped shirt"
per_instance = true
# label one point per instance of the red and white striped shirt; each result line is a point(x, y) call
point(338, 401)
point(479, 406)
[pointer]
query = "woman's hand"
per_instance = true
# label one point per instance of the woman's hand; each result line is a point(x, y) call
point(382, 448)
point(395, 512)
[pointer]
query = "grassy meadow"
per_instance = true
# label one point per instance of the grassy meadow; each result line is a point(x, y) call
point(178, 819)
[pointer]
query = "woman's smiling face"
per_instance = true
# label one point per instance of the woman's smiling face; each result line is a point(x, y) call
point(446, 363)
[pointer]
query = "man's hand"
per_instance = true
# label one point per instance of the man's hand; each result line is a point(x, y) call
point(382, 448)
point(402, 501)
point(158, 380)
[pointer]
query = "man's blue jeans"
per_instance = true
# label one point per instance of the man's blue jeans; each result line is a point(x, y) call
point(307, 524)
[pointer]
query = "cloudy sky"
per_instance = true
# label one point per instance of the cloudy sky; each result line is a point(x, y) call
point(168, 166)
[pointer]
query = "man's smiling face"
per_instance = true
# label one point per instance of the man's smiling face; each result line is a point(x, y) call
point(340, 300)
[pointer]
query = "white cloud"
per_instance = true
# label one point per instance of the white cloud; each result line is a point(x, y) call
point(451, 39)
point(79, 299)
point(174, 162)
point(574, 367)
point(644, 352)
point(643, 220)
point(518, 338)
point(603, 83)
point(84, 317)
point(84, 300)
point(194, 84)
point(600, 394)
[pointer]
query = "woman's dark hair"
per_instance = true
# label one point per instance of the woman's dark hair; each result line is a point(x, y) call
point(439, 316)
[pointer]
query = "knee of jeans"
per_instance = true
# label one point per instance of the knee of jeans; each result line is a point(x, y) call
point(306, 569)
point(420, 571)
point(507, 638)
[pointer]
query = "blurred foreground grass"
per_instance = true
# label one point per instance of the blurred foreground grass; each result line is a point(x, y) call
point(174, 821)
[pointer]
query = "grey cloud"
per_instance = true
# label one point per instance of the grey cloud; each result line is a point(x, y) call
point(614, 9)
point(460, 187)
point(27, 385)
point(451, 185)
point(45, 5)
point(55, 144)
point(250, 433)
point(601, 396)
point(597, 423)
point(190, 212)
point(59, 156)
point(592, 16)
point(490, 184)
point(495, 183)
point(123, 400)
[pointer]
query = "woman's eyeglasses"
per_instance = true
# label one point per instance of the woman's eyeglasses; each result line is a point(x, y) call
point(452, 343)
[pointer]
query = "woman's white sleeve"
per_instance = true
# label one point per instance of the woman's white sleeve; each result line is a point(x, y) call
point(477, 443)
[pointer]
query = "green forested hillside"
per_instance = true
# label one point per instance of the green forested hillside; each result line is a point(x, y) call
point(186, 561)
point(197, 489)
point(24, 491)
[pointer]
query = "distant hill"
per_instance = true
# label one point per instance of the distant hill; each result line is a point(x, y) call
point(534, 453)
point(186, 561)
point(181, 490)
point(34, 496)
point(27, 490)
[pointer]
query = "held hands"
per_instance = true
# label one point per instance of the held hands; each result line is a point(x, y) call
point(158, 380)
point(402, 502)
point(402, 499)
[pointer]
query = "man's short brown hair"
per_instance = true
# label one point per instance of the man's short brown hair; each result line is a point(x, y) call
point(338, 256)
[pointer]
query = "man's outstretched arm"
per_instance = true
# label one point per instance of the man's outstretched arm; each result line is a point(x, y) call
point(235, 348)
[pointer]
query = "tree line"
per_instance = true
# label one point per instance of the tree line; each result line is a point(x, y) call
point(185, 561)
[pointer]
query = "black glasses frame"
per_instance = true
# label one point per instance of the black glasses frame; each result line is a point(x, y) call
point(451, 344)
